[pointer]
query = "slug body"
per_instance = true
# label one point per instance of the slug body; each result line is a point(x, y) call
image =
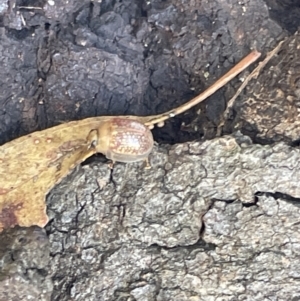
point(124, 140)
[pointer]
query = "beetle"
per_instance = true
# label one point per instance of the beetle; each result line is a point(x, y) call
point(31, 165)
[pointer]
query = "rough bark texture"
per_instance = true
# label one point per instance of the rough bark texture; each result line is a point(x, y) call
point(78, 59)
point(212, 220)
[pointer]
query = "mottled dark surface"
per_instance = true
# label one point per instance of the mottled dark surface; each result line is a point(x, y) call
point(24, 265)
point(77, 59)
point(268, 110)
point(286, 13)
point(213, 220)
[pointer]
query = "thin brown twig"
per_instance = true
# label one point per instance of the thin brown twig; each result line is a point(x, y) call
point(253, 74)
point(238, 68)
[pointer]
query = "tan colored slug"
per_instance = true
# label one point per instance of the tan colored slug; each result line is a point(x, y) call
point(31, 165)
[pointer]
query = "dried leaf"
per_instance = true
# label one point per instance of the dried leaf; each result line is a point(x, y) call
point(31, 165)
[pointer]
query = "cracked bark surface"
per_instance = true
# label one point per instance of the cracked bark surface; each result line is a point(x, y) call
point(227, 230)
point(159, 235)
